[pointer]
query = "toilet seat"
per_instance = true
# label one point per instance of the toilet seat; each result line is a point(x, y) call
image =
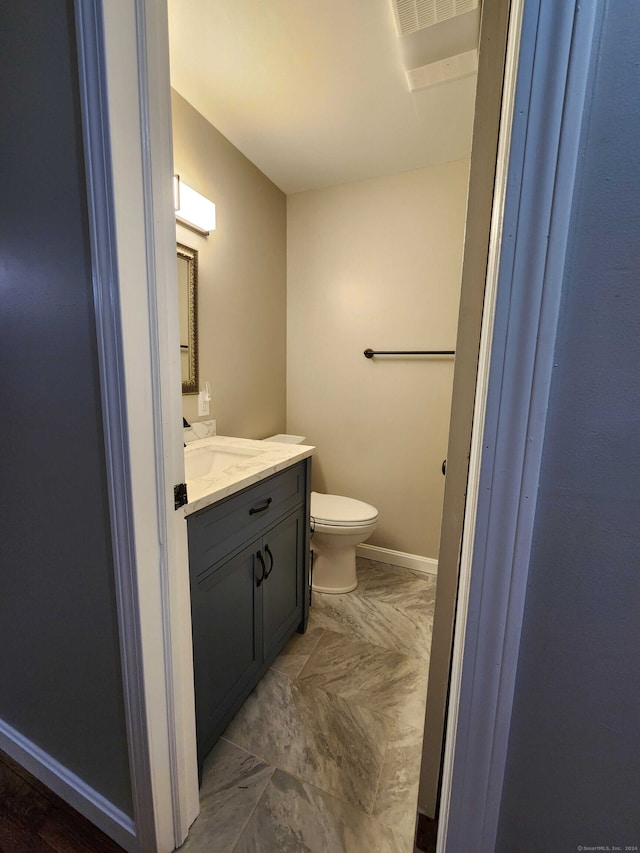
point(338, 511)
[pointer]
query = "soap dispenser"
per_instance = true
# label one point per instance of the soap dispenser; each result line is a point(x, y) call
point(204, 398)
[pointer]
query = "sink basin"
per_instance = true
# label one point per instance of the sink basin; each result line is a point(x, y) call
point(207, 462)
point(221, 465)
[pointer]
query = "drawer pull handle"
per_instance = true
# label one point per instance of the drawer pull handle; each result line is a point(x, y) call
point(256, 509)
point(267, 551)
point(262, 576)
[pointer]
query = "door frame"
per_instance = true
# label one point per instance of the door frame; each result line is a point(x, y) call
point(495, 91)
point(140, 381)
point(123, 60)
point(524, 285)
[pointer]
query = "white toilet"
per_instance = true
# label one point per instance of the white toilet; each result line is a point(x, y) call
point(338, 525)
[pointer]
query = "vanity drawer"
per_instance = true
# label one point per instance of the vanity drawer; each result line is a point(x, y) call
point(221, 528)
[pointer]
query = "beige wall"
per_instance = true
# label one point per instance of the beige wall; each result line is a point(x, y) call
point(377, 264)
point(370, 264)
point(242, 280)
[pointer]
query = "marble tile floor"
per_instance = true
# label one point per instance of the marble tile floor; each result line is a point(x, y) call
point(325, 753)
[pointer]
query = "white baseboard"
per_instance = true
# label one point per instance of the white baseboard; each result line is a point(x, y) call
point(69, 787)
point(398, 558)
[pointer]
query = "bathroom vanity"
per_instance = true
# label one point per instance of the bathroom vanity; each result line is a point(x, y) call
point(248, 529)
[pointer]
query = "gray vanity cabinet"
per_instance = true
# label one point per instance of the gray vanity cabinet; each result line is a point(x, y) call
point(227, 654)
point(248, 566)
point(282, 588)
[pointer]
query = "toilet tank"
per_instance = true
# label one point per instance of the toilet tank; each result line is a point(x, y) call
point(283, 438)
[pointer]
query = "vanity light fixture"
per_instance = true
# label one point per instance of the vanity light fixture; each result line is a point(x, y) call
point(192, 209)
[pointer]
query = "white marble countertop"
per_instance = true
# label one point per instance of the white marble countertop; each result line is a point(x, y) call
point(270, 458)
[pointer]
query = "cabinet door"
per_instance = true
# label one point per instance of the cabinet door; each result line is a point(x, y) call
point(227, 631)
point(282, 588)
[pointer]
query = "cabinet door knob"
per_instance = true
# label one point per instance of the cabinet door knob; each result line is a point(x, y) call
point(262, 576)
point(267, 551)
point(264, 506)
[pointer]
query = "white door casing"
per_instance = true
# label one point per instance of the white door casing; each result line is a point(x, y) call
point(552, 79)
point(124, 80)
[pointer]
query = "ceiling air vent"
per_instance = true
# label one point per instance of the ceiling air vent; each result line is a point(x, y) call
point(414, 15)
point(451, 68)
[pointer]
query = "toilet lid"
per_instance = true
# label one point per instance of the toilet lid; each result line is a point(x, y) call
point(338, 510)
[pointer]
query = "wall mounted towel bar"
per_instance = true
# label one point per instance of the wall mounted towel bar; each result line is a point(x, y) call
point(369, 353)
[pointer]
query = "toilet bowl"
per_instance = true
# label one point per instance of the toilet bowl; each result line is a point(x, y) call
point(338, 525)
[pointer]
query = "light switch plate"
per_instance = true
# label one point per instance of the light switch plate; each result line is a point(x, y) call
point(203, 404)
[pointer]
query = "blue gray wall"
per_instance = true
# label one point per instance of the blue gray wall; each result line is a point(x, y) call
point(573, 763)
point(59, 654)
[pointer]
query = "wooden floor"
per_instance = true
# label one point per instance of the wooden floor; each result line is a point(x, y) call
point(427, 834)
point(34, 820)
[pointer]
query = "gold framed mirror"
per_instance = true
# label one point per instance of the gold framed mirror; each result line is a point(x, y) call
point(187, 262)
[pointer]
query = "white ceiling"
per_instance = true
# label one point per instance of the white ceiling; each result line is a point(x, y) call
point(314, 92)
